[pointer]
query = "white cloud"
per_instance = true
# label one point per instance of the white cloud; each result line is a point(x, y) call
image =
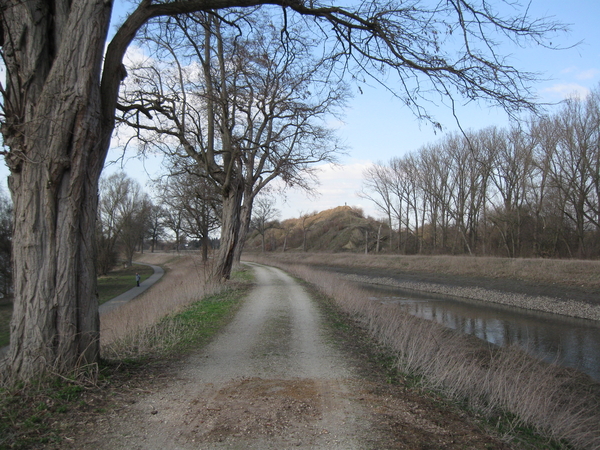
point(567, 90)
point(569, 70)
point(589, 74)
point(579, 74)
point(135, 56)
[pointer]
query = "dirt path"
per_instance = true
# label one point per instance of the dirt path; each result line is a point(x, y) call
point(273, 380)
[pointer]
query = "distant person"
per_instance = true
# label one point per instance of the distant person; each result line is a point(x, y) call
point(137, 279)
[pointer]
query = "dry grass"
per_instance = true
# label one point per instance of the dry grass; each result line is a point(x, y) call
point(493, 380)
point(581, 273)
point(135, 324)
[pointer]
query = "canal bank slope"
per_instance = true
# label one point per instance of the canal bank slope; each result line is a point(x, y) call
point(567, 287)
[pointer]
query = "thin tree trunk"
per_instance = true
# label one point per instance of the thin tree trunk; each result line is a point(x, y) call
point(205, 241)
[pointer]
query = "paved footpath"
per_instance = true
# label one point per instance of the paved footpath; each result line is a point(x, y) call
point(133, 292)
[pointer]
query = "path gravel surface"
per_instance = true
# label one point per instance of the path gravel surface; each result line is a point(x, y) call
point(273, 379)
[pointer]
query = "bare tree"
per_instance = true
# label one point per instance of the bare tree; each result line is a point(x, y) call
point(575, 164)
point(513, 167)
point(173, 221)
point(287, 226)
point(113, 192)
point(156, 225)
point(377, 187)
point(122, 218)
point(244, 119)
point(59, 101)
point(263, 215)
point(434, 174)
point(135, 225)
point(195, 200)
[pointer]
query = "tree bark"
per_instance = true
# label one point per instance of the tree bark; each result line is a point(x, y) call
point(245, 217)
point(230, 228)
point(56, 156)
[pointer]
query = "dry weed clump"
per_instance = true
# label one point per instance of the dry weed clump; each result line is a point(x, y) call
point(135, 327)
point(505, 381)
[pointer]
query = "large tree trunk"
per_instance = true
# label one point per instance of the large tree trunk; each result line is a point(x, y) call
point(53, 53)
point(246, 215)
point(230, 230)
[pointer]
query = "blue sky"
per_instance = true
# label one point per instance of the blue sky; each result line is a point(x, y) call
point(377, 127)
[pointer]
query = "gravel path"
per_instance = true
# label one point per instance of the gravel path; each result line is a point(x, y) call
point(276, 378)
point(269, 381)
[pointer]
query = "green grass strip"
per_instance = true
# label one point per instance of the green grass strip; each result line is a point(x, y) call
point(201, 321)
point(186, 330)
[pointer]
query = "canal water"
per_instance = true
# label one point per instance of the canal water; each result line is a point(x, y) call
point(564, 340)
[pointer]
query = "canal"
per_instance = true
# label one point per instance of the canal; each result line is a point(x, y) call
point(567, 341)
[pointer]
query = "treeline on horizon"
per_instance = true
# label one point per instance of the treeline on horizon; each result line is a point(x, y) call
point(531, 190)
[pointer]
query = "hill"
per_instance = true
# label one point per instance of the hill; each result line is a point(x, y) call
point(334, 230)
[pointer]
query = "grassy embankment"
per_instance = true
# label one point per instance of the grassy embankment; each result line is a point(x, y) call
point(513, 391)
point(138, 327)
point(183, 311)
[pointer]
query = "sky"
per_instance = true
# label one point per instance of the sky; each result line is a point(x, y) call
point(376, 126)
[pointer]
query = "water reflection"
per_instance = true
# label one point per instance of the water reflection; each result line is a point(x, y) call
point(569, 341)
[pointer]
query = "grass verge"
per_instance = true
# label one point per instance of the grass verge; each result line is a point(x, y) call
point(44, 415)
point(175, 334)
point(382, 362)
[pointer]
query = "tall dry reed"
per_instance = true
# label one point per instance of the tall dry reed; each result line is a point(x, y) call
point(134, 327)
point(493, 380)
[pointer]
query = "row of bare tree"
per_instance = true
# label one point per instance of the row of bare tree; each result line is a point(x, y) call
point(530, 190)
point(185, 208)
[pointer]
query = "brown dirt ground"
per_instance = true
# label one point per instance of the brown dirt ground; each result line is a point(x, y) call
point(277, 377)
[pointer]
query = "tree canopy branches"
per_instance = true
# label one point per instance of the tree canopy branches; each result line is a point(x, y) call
point(446, 48)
